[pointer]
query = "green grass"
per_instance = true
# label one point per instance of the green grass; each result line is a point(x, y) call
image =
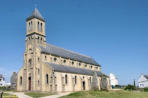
point(109, 94)
point(6, 95)
point(37, 94)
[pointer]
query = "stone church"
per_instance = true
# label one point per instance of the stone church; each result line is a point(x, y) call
point(49, 68)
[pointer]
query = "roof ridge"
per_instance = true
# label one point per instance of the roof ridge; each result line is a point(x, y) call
point(146, 76)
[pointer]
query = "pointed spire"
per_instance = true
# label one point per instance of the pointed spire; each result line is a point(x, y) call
point(36, 14)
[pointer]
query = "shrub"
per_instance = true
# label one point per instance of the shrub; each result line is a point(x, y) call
point(118, 86)
point(130, 87)
point(5, 88)
point(146, 89)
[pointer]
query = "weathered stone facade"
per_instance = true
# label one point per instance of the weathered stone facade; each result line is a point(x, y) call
point(53, 69)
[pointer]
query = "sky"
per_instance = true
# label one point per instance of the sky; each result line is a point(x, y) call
point(113, 32)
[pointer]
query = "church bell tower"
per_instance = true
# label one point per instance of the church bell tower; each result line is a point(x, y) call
point(35, 28)
point(35, 37)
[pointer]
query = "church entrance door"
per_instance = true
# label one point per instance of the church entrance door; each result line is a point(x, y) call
point(29, 86)
point(83, 85)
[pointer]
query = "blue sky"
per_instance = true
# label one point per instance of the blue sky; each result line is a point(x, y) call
point(114, 32)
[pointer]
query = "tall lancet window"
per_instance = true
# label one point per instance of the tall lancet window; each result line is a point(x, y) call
point(47, 78)
point(30, 26)
point(41, 27)
point(38, 26)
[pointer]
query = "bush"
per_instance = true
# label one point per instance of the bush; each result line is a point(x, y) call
point(5, 88)
point(118, 86)
point(130, 87)
point(146, 89)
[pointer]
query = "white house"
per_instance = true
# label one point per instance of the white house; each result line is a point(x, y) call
point(113, 80)
point(143, 81)
point(2, 80)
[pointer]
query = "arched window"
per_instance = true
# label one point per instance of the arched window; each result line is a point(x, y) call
point(55, 59)
point(85, 65)
point(51, 79)
point(47, 78)
point(55, 79)
point(75, 79)
point(41, 27)
point(91, 66)
point(72, 63)
point(64, 61)
point(29, 26)
point(38, 82)
point(45, 58)
point(66, 79)
point(90, 80)
point(83, 77)
point(21, 80)
point(30, 62)
point(55, 87)
point(51, 59)
point(38, 59)
point(38, 71)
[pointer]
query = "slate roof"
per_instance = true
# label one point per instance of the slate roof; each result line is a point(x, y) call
point(36, 14)
point(146, 76)
point(51, 49)
point(68, 69)
point(1, 76)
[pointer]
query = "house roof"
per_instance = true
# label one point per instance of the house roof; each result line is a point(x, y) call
point(69, 69)
point(36, 14)
point(146, 76)
point(1, 76)
point(51, 49)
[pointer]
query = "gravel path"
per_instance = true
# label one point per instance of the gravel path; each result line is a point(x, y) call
point(58, 95)
point(20, 94)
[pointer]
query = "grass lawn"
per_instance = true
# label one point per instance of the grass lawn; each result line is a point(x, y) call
point(37, 94)
point(109, 94)
point(6, 95)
